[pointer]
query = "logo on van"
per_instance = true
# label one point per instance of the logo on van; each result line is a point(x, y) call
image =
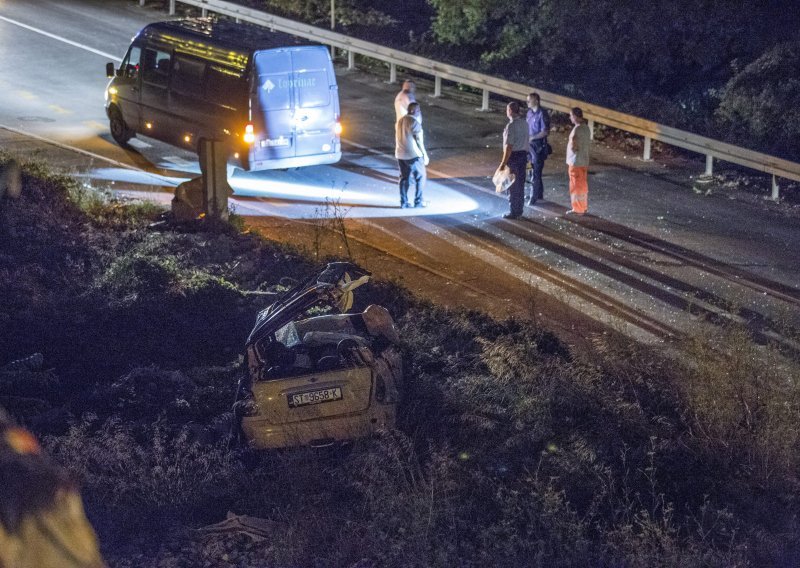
point(297, 83)
point(289, 83)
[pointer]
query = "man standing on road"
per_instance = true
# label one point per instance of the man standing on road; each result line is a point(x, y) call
point(411, 156)
point(578, 163)
point(538, 120)
point(515, 156)
point(405, 97)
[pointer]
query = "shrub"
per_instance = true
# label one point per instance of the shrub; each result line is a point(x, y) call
point(760, 105)
point(149, 480)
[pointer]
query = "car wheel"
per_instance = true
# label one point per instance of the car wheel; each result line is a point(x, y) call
point(119, 130)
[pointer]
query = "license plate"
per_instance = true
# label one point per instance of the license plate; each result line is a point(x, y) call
point(314, 397)
point(275, 142)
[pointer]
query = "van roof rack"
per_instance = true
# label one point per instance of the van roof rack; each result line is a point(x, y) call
point(241, 37)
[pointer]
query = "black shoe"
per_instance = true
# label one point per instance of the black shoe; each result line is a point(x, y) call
point(510, 216)
point(405, 206)
point(421, 204)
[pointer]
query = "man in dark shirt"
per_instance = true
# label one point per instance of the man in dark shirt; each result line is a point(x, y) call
point(538, 121)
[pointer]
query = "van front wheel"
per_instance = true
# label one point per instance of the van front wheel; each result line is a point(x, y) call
point(120, 131)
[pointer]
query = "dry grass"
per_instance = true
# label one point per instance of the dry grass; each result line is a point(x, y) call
point(511, 450)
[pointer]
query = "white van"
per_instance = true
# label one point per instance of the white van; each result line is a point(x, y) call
point(271, 96)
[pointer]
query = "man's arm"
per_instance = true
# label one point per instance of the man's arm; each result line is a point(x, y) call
point(544, 124)
point(506, 156)
point(416, 134)
point(421, 147)
point(573, 140)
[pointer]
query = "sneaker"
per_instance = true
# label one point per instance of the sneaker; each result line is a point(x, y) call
point(510, 216)
point(573, 212)
point(532, 202)
point(422, 204)
point(405, 206)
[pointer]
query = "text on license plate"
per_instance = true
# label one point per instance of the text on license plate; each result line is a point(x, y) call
point(315, 397)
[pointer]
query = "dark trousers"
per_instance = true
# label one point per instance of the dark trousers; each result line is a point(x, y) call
point(411, 171)
point(516, 193)
point(537, 165)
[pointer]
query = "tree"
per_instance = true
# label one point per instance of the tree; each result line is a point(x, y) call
point(319, 12)
point(760, 106)
point(613, 50)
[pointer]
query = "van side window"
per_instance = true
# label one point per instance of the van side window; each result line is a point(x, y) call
point(225, 87)
point(155, 68)
point(187, 76)
point(130, 65)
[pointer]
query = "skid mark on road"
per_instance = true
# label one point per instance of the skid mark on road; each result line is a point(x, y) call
point(584, 299)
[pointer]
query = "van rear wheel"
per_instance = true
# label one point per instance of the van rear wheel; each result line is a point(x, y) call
point(120, 131)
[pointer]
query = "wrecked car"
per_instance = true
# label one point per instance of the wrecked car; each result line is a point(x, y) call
point(319, 380)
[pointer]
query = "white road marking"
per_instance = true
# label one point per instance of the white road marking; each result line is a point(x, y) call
point(136, 143)
point(62, 39)
point(178, 161)
point(68, 147)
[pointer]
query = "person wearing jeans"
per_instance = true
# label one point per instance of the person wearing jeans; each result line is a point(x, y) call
point(411, 155)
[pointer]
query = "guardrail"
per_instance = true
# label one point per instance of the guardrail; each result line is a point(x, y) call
point(712, 149)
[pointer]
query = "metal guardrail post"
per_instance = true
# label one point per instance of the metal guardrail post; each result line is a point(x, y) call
point(709, 165)
point(392, 73)
point(776, 191)
point(171, 7)
point(646, 155)
point(351, 59)
point(485, 100)
point(437, 86)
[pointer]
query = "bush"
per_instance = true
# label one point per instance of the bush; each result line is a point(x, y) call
point(760, 106)
point(149, 480)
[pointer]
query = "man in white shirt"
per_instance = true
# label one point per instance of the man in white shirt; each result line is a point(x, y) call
point(411, 156)
point(515, 156)
point(405, 97)
point(578, 162)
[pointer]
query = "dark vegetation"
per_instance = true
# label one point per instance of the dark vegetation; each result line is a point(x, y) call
point(728, 70)
point(512, 450)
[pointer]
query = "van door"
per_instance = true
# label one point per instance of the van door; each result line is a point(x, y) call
point(154, 101)
point(316, 101)
point(127, 85)
point(273, 121)
point(189, 110)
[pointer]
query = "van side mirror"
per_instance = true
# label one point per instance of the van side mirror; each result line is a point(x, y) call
point(110, 72)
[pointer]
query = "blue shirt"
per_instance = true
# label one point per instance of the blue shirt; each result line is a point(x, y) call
point(538, 121)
